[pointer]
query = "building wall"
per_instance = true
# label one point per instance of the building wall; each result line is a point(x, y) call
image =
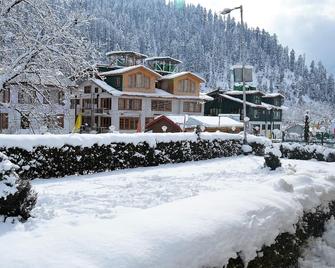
point(115, 114)
point(37, 112)
point(145, 72)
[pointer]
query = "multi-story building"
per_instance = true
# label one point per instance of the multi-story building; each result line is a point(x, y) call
point(263, 110)
point(126, 97)
point(34, 104)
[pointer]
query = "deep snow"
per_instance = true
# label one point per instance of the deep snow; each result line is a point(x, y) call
point(320, 252)
point(182, 215)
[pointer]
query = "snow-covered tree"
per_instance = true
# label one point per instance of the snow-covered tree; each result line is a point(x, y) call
point(41, 44)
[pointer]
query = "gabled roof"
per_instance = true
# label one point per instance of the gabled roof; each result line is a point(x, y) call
point(163, 58)
point(158, 93)
point(254, 105)
point(120, 52)
point(175, 75)
point(212, 121)
point(166, 119)
point(129, 69)
point(247, 92)
point(273, 95)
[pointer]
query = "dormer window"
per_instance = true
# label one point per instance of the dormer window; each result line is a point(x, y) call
point(186, 86)
point(138, 80)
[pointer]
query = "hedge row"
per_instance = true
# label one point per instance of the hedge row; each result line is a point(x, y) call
point(287, 249)
point(307, 152)
point(47, 162)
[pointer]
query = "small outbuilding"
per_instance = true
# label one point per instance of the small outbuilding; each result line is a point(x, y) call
point(178, 123)
point(162, 124)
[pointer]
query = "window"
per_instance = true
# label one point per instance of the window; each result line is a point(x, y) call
point(3, 121)
point(105, 122)
point(276, 114)
point(61, 97)
point(106, 103)
point(117, 82)
point(25, 123)
point(186, 86)
point(277, 102)
point(87, 104)
point(87, 89)
point(60, 120)
point(256, 113)
point(96, 90)
point(192, 107)
point(161, 105)
point(5, 95)
point(138, 80)
point(128, 123)
point(25, 97)
point(74, 102)
point(130, 104)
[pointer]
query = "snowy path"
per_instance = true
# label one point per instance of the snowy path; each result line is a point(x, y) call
point(182, 215)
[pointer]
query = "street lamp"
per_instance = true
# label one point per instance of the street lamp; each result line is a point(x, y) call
point(270, 121)
point(225, 12)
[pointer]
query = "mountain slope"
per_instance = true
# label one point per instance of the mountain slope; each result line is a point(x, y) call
point(207, 44)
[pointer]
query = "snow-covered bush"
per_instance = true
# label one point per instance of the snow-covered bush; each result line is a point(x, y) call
point(307, 152)
point(258, 144)
point(16, 196)
point(56, 156)
point(272, 158)
point(286, 251)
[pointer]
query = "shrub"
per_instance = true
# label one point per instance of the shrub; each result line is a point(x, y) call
point(271, 158)
point(17, 199)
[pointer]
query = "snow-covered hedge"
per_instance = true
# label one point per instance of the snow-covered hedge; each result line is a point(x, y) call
point(287, 249)
point(307, 152)
point(46, 156)
point(16, 196)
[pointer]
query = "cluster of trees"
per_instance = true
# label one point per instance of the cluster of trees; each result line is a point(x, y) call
point(206, 42)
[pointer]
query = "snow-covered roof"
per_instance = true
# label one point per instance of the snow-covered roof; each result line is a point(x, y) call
point(271, 106)
point(262, 106)
point(128, 69)
point(207, 121)
point(158, 93)
point(175, 75)
point(164, 58)
point(273, 95)
point(120, 52)
point(247, 92)
point(212, 121)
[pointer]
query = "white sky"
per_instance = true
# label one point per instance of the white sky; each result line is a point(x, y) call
point(308, 26)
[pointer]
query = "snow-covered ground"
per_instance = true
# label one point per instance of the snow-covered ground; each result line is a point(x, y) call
point(320, 252)
point(181, 215)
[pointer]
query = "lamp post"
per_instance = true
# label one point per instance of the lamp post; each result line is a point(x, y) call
point(225, 12)
point(322, 130)
point(270, 121)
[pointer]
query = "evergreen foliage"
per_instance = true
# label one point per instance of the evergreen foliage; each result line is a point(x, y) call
point(17, 199)
point(306, 128)
point(206, 42)
point(50, 162)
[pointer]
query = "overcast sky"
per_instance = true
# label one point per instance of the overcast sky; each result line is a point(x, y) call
point(308, 26)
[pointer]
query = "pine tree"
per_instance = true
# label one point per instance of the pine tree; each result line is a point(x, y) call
point(306, 128)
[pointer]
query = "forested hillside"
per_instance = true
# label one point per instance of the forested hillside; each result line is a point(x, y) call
point(206, 42)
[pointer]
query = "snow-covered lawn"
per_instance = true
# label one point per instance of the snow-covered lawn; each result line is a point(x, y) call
point(182, 215)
